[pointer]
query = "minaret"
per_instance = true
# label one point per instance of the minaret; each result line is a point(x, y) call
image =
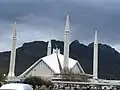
point(95, 58)
point(13, 54)
point(49, 47)
point(59, 51)
point(66, 44)
point(54, 50)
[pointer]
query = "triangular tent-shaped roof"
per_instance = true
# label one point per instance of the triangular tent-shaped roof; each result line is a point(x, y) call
point(53, 63)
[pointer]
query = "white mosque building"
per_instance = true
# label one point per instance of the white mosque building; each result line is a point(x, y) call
point(56, 63)
point(53, 63)
point(50, 65)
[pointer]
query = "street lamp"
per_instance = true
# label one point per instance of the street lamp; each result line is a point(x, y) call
point(4, 75)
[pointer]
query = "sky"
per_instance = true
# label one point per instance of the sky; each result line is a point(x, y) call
point(36, 19)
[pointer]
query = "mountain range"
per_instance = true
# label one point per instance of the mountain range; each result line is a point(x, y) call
point(29, 53)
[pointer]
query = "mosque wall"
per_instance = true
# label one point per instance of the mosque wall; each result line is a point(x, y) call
point(41, 69)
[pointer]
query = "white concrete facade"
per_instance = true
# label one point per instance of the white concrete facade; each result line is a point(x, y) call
point(48, 66)
point(66, 43)
point(41, 69)
point(49, 48)
point(95, 57)
point(13, 54)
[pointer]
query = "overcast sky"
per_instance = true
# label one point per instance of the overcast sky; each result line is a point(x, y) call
point(36, 19)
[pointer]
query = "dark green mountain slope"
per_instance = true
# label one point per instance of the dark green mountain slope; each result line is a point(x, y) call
point(109, 58)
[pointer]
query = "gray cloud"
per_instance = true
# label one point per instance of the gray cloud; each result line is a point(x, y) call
point(37, 18)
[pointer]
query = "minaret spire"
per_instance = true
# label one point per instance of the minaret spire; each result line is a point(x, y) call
point(95, 58)
point(66, 43)
point(49, 47)
point(13, 54)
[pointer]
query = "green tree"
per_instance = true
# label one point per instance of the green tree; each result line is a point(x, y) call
point(48, 83)
point(34, 81)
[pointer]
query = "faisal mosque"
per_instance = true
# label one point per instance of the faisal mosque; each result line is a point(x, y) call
point(50, 65)
point(56, 66)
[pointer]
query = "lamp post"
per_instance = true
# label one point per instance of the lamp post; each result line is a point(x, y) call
point(4, 75)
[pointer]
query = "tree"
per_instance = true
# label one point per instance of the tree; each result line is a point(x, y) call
point(69, 75)
point(32, 80)
point(48, 83)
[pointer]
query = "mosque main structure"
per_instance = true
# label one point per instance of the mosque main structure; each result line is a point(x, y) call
point(56, 66)
point(50, 65)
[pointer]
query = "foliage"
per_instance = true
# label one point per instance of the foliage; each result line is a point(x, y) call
point(48, 83)
point(33, 80)
point(68, 74)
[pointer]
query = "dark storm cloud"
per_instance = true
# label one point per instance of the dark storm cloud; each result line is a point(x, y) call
point(48, 16)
